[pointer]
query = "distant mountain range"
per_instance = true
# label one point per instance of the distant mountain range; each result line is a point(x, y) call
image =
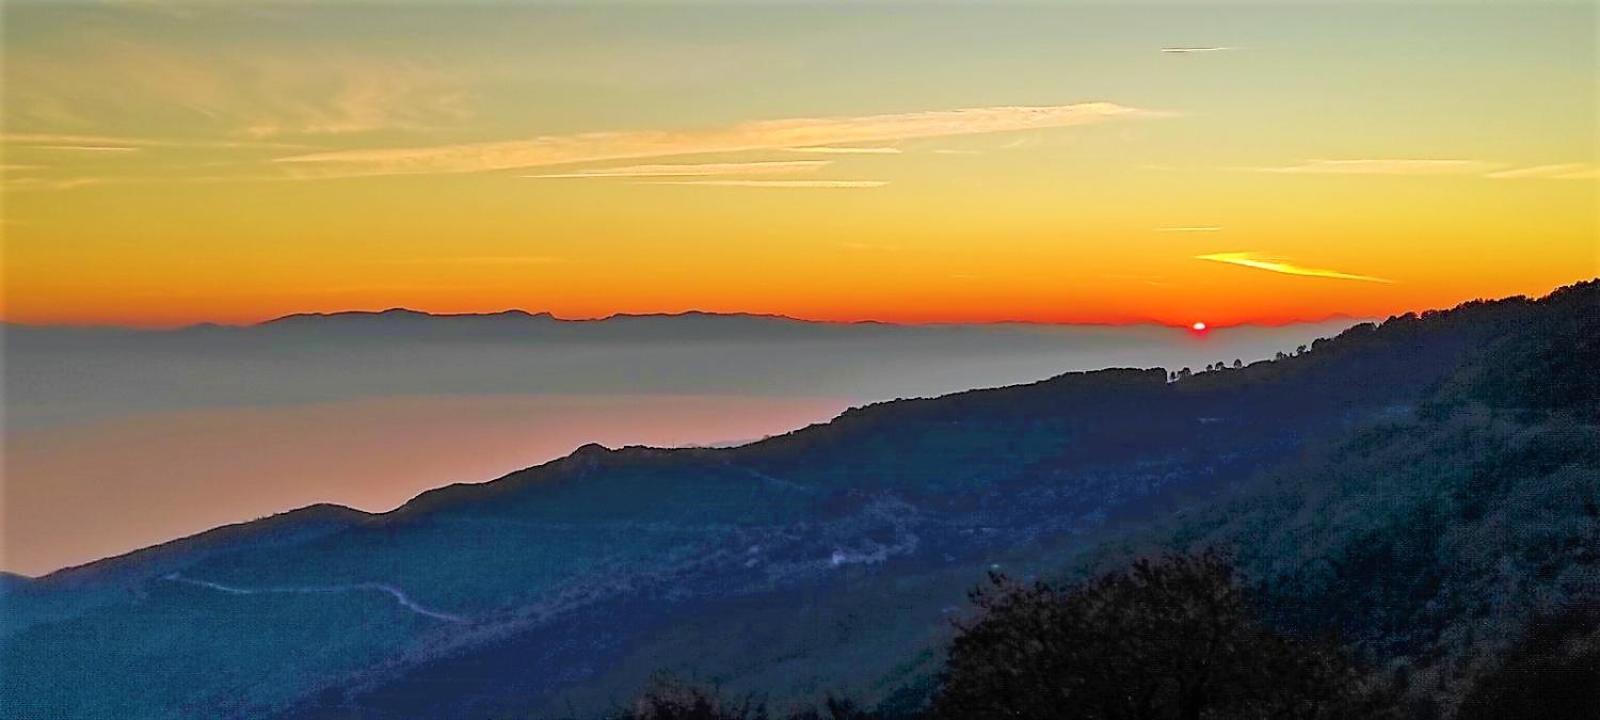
point(515, 315)
point(1422, 486)
point(62, 375)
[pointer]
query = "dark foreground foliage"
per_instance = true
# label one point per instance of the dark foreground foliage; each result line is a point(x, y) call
point(669, 700)
point(1170, 638)
point(1551, 674)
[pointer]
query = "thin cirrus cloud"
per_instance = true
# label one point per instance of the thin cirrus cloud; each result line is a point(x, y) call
point(1413, 166)
point(72, 183)
point(796, 184)
point(1279, 265)
point(829, 150)
point(760, 135)
point(56, 141)
point(1383, 166)
point(1564, 171)
point(255, 91)
point(87, 148)
point(771, 167)
point(53, 141)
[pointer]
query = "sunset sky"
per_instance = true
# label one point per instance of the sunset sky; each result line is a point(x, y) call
point(167, 164)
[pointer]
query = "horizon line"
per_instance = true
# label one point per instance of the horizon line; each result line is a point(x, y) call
point(552, 316)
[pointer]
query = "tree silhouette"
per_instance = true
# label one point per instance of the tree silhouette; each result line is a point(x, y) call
point(1551, 674)
point(1172, 639)
point(667, 699)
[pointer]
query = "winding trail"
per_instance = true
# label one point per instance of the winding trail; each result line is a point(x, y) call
point(399, 596)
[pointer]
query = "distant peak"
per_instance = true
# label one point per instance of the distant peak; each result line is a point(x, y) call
point(589, 449)
point(401, 313)
point(394, 312)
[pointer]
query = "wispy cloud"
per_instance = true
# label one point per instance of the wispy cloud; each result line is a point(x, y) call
point(368, 96)
point(1383, 166)
point(773, 167)
point(1191, 229)
point(954, 151)
point(1193, 50)
point(813, 184)
point(763, 135)
point(259, 89)
point(57, 141)
point(1411, 166)
point(51, 141)
point(73, 183)
point(69, 183)
point(1564, 171)
point(828, 150)
point(87, 148)
point(1280, 265)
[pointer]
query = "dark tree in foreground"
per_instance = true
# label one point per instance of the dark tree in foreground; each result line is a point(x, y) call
point(668, 699)
point(1552, 674)
point(1174, 638)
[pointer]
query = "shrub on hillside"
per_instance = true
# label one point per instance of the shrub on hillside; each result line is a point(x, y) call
point(1171, 638)
point(668, 699)
point(1553, 673)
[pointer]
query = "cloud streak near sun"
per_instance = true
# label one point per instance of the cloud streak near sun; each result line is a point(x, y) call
point(762, 135)
point(1279, 265)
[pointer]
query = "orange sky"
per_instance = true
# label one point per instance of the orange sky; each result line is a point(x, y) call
point(956, 164)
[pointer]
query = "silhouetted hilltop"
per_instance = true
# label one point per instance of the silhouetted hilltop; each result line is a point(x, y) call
point(12, 581)
point(1126, 411)
point(288, 527)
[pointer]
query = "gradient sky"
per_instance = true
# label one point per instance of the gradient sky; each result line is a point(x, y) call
point(173, 163)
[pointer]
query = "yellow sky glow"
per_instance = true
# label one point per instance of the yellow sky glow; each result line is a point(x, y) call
point(1060, 163)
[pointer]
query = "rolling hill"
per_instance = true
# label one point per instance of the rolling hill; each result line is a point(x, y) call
point(1422, 486)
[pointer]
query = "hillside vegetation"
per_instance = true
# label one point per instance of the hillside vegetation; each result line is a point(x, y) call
point(1422, 488)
